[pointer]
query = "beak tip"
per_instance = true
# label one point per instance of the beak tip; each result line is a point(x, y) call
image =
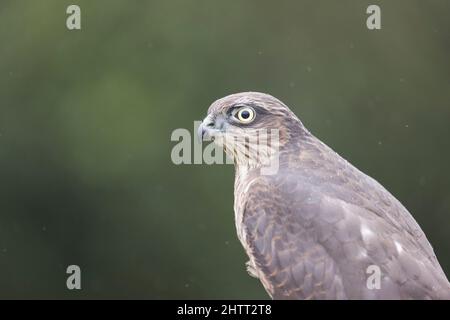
point(200, 133)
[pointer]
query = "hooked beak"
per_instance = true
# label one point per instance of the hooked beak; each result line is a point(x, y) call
point(205, 128)
point(201, 132)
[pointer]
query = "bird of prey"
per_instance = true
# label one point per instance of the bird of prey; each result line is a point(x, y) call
point(317, 228)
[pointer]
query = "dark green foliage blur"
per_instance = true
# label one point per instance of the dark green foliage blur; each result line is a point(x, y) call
point(86, 118)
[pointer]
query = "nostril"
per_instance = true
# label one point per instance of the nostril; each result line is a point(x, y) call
point(210, 124)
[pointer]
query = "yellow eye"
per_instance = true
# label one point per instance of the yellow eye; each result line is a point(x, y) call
point(245, 115)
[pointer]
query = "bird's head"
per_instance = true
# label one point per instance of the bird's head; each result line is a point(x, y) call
point(250, 126)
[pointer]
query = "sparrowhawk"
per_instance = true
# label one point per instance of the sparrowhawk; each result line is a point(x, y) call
point(314, 227)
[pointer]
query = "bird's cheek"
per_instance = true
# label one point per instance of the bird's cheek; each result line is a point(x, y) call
point(219, 123)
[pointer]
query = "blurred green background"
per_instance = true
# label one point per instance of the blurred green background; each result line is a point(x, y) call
point(86, 118)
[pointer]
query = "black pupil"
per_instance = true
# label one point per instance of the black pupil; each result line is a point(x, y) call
point(245, 114)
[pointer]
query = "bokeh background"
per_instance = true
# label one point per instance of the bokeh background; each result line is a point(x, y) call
point(86, 117)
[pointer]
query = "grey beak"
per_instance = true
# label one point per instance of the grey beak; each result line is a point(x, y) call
point(207, 124)
point(200, 132)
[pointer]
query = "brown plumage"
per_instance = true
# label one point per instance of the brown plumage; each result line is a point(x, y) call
point(314, 227)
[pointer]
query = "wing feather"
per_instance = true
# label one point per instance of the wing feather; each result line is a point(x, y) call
point(307, 244)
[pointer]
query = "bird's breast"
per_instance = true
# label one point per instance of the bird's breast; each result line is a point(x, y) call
point(242, 187)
